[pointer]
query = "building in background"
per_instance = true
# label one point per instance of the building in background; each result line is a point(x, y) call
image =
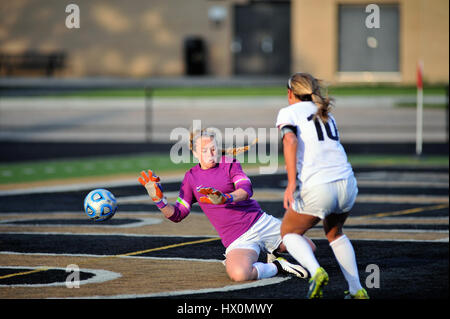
point(155, 38)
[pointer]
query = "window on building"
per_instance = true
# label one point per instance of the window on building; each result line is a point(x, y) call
point(365, 45)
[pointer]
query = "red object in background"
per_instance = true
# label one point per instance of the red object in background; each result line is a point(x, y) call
point(419, 75)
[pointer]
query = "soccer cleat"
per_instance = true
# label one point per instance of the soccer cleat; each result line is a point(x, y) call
point(271, 257)
point(360, 294)
point(286, 267)
point(274, 255)
point(316, 284)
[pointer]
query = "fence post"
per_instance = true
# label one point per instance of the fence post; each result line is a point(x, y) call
point(446, 110)
point(419, 110)
point(148, 113)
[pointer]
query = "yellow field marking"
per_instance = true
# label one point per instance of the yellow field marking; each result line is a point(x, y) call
point(168, 246)
point(407, 211)
point(122, 255)
point(24, 273)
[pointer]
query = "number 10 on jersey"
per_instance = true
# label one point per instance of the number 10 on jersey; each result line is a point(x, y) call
point(334, 136)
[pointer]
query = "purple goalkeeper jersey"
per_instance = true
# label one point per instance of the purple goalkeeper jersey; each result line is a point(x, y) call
point(230, 220)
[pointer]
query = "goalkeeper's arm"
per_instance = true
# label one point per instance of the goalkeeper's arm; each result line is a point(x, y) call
point(239, 195)
point(152, 184)
point(168, 210)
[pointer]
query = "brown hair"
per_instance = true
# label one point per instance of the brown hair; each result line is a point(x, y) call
point(307, 88)
point(233, 151)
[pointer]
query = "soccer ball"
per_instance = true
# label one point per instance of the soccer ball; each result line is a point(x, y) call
point(100, 204)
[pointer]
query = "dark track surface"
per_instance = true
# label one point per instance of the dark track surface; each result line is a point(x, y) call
point(44, 202)
point(408, 269)
point(31, 151)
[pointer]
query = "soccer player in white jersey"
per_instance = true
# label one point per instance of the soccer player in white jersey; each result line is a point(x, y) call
point(327, 187)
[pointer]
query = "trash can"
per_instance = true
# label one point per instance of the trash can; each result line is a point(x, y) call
point(195, 56)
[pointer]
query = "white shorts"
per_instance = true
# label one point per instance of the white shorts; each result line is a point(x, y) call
point(321, 200)
point(264, 234)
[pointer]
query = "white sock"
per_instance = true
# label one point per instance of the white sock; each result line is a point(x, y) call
point(265, 270)
point(345, 256)
point(300, 249)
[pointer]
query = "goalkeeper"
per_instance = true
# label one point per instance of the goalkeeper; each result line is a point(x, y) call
point(224, 193)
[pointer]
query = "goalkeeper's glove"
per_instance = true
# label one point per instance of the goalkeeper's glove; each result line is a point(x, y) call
point(213, 196)
point(152, 184)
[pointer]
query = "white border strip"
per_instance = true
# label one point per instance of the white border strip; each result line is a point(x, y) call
point(102, 184)
point(142, 222)
point(383, 230)
point(109, 234)
point(257, 283)
point(111, 256)
point(80, 186)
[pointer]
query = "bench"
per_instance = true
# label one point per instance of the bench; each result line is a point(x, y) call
point(31, 62)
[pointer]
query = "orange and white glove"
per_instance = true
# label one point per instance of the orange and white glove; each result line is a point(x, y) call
point(152, 184)
point(213, 196)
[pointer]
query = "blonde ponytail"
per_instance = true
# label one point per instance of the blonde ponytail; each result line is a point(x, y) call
point(323, 105)
point(233, 151)
point(307, 88)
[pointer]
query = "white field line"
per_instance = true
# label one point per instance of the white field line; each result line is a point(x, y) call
point(142, 222)
point(250, 172)
point(210, 236)
point(100, 276)
point(254, 284)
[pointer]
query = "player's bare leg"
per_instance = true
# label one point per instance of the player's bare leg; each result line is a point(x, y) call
point(242, 265)
point(332, 225)
point(293, 222)
point(239, 264)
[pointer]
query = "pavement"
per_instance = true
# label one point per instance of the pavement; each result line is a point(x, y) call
point(360, 119)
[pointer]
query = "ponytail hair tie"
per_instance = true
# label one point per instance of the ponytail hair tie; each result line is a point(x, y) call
point(305, 97)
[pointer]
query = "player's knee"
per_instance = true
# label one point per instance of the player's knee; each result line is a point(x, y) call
point(240, 274)
point(287, 228)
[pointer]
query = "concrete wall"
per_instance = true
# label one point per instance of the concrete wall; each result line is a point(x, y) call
point(142, 38)
point(117, 38)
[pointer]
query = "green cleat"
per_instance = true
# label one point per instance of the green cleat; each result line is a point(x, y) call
point(316, 283)
point(360, 294)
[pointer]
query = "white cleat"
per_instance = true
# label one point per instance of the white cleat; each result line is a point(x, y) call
point(286, 267)
point(271, 257)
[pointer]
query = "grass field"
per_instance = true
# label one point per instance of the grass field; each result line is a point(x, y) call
point(360, 90)
point(132, 164)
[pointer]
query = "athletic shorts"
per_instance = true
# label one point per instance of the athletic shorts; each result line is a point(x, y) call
point(337, 197)
point(264, 234)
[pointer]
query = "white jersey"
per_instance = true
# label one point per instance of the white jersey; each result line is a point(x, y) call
point(320, 156)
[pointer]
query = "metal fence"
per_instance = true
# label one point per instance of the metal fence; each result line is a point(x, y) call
point(96, 110)
point(76, 110)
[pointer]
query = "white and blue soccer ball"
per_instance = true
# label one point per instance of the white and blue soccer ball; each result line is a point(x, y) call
point(100, 204)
